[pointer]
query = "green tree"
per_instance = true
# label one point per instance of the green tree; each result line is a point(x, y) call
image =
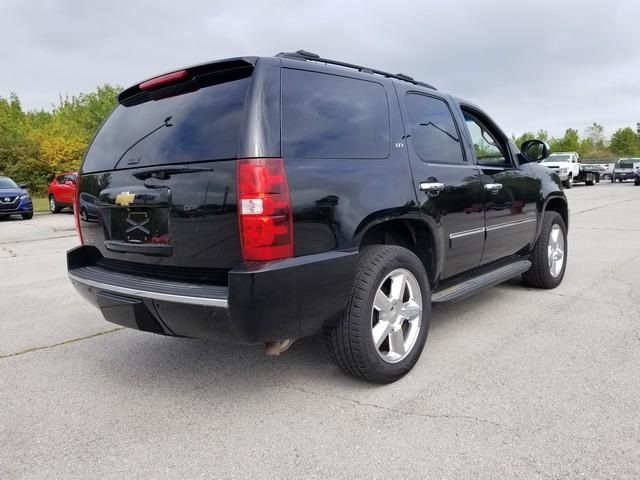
point(523, 138)
point(570, 142)
point(36, 145)
point(594, 136)
point(625, 142)
point(542, 135)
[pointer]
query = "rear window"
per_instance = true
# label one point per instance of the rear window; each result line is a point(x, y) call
point(625, 164)
point(329, 116)
point(196, 126)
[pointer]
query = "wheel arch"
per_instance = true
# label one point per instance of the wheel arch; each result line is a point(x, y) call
point(415, 232)
point(555, 203)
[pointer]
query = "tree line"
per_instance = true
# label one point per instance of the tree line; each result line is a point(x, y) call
point(37, 144)
point(593, 144)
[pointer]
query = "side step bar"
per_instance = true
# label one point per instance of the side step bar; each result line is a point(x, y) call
point(486, 280)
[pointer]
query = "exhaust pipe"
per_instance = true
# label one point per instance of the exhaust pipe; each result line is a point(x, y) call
point(273, 349)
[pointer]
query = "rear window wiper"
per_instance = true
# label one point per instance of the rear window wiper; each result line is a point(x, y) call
point(164, 173)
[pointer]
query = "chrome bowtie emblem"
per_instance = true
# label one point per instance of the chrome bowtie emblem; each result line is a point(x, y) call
point(125, 198)
point(7, 199)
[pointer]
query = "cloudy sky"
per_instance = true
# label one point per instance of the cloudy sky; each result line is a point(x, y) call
point(530, 64)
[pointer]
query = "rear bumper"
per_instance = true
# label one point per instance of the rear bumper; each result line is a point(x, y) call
point(285, 299)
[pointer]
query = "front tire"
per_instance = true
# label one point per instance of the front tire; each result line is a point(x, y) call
point(568, 183)
point(382, 331)
point(84, 215)
point(27, 216)
point(53, 205)
point(549, 256)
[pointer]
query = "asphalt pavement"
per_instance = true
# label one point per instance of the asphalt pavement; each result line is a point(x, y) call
point(514, 382)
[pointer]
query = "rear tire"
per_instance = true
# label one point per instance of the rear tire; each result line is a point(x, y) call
point(53, 205)
point(544, 272)
point(403, 321)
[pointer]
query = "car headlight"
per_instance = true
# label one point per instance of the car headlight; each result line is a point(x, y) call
point(562, 170)
point(23, 196)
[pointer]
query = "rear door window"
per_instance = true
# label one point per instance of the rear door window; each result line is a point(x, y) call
point(330, 116)
point(197, 126)
point(433, 131)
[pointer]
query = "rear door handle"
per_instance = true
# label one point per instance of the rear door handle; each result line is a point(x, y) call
point(432, 188)
point(493, 187)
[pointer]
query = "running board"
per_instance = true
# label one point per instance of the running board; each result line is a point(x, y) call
point(486, 280)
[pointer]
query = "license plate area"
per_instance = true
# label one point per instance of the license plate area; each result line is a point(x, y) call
point(140, 225)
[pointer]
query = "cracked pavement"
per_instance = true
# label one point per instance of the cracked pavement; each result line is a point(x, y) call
point(514, 382)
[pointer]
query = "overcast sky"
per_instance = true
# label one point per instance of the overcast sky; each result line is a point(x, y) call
point(530, 64)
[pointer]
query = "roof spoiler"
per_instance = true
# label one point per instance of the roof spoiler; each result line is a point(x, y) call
point(186, 75)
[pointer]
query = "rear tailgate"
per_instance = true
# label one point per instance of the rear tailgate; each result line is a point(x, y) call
point(160, 176)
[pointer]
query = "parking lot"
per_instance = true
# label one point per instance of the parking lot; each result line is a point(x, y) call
point(513, 383)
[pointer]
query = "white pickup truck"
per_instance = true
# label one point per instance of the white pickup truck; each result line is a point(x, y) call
point(567, 165)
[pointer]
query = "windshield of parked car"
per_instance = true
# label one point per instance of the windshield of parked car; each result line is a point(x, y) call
point(557, 158)
point(625, 164)
point(7, 183)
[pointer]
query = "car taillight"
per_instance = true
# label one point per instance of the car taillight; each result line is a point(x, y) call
point(76, 208)
point(264, 210)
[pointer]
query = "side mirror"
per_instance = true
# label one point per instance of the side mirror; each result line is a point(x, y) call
point(535, 150)
point(23, 186)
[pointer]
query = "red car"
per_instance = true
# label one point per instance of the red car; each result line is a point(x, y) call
point(62, 191)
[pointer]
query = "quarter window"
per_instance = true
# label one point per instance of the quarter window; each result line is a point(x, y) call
point(330, 116)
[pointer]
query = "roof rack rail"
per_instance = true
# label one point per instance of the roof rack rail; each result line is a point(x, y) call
point(314, 57)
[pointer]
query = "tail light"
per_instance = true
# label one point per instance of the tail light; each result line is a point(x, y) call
point(264, 210)
point(76, 208)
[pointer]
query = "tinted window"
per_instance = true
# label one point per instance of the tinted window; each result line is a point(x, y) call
point(327, 116)
point(625, 164)
point(200, 125)
point(433, 132)
point(489, 151)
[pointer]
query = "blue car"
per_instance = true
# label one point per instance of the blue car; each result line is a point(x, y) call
point(14, 199)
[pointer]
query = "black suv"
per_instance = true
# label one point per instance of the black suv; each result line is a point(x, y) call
point(259, 200)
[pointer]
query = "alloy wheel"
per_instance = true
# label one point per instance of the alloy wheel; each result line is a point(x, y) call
point(396, 315)
point(556, 250)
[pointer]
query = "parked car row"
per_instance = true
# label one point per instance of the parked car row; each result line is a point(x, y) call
point(571, 170)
